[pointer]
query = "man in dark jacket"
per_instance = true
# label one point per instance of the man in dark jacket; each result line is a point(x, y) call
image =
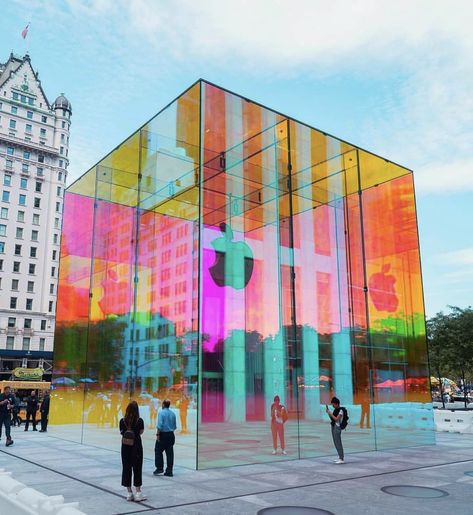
point(6, 403)
point(44, 409)
point(31, 409)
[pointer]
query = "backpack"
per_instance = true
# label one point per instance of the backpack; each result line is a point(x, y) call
point(128, 437)
point(345, 420)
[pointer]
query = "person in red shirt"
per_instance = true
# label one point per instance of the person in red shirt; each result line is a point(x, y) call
point(278, 419)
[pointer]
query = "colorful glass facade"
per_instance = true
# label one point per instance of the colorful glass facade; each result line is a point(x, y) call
point(224, 254)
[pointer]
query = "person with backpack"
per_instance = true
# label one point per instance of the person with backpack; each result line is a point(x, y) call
point(338, 420)
point(278, 419)
point(131, 429)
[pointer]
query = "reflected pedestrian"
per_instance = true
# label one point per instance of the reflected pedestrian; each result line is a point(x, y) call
point(183, 407)
point(31, 409)
point(365, 410)
point(44, 410)
point(6, 404)
point(278, 419)
point(165, 440)
point(131, 429)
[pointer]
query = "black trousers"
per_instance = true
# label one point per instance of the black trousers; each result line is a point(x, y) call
point(132, 464)
point(5, 419)
point(165, 444)
point(44, 421)
point(32, 415)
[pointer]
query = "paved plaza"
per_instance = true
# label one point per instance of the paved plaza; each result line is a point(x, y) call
point(91, 476)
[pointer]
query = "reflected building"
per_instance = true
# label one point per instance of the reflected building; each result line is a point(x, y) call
point(224, 254)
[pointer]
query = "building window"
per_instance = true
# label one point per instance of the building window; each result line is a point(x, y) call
point(37, 202)
point(51, 305)
point(20, 216)
point(15, 95)
point(23, 183)
point(8, 164)
point(10, 341)
point(41, 344)
point(39, 172)
point(58, 191)
point(34, 235)
point(33, 251)
point(59, 176)
point(42, 133)
point(55, 239)
point(14, 284)
point(1, 265)
point(63, 138)
point(28, 128)
point(43, 325)
point(4, 213)
point(17, 250)
point(44, 119)
point(22, 200)
point(12, 124)
point(7, 179)
point(2, 247)
point(29, 304)
point(30, 287)
point(31, 269)
point(11, 322)
point(14, 110)
point(58, 207)
point(26, 154)
point(53, 271)
point(13, 302)
point(38, 186)
point(56, 223)
point(16, 266)
point(40, 159)
point(5, 196)
point(61, 150)
point(10, 151)
point(19, 233)
point(3, 230)
point(25, 167)
point(26, 343)
point(35, 219)
point(27, 323)
point(29, 115)
point(51, 289)
point(61, 163)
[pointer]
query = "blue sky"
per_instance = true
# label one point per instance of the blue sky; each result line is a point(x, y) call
point(393, 77)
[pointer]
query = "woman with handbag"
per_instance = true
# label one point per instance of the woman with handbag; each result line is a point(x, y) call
point(131, 429)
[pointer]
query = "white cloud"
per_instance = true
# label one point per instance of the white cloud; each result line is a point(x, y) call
point(460, 257)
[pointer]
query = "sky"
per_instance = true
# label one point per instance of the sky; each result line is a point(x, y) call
point(395, 78)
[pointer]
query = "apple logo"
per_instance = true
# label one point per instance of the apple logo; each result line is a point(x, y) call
point(233, 261)
point(382, 290)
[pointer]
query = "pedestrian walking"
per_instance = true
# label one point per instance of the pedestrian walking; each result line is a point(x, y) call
point(338, 421)
point(165, 440)
point(131, 429)
point(6, 403)
point(44, 410)
point(31, 409)
point(278, 419)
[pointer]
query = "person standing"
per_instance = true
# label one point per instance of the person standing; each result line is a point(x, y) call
point(365, 409)
point(131, 428)
point(165, 440)
point(44, 410)
point(16, 410)
point(31, 409)
point(337, 423)
point(278, 419)
point(6, 403)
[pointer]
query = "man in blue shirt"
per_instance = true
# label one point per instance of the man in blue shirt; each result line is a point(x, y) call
point(165, 440)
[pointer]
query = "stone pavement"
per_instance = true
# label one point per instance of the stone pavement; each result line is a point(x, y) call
point(91, 476)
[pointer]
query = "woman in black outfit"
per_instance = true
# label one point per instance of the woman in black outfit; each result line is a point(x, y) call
point(132, 455)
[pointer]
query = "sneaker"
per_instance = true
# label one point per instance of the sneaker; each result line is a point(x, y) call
point(9, 442)
point(130, 496)
point(339, 462)
point(168, 474)
point(274, 451)
point(35, 429)
point(157, 472)
point(140, 497)
point(284, 452)
point(26, 429)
